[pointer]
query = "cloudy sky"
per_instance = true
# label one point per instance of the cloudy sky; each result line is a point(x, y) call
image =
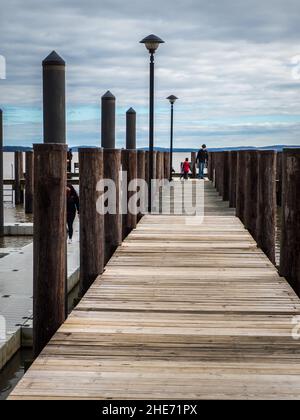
point(235, 65)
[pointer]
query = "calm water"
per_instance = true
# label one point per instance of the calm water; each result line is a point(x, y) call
point(13, 372)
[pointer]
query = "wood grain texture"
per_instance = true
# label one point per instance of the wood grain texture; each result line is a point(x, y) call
point(92, 235)
point(184, 310)
point(49, 241)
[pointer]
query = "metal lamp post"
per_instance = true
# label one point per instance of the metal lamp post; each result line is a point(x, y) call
point(172, 99)
point(151, 43)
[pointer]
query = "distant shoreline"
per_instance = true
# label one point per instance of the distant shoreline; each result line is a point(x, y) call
point(176, 150)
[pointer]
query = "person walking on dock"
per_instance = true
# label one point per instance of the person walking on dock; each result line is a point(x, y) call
point(202, 159)
point(72, 208)
point(186, 167)
point(69, 160)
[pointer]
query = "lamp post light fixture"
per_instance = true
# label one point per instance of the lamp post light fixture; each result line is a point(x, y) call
point(172, 99)
point(152, 43)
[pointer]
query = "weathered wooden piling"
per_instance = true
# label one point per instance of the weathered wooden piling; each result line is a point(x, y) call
point(131, 129)
point(240, 185)
point(129, 169)
point(50, 236)
point(54, 102)
point(232, 178)
point(279, 177)
point(220, 173)
point(92, 233)
point(112, 220)
point(167, 167)
point(1, 177)
point(18, 167)
point(251, 191)
point(108, 121)
point(266, 210)
point(290, 225)
point(225, 187)
point(29, 180)
point(141, 175)
point(194, 164)
point(158, 165)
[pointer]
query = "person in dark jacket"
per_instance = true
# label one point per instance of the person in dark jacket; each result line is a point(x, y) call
point(72, 208)
point(202, 159)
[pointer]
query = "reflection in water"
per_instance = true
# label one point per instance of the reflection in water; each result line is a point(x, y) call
point(16, 215)
point(13, 372)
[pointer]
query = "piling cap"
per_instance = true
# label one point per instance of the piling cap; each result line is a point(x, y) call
point(131, 111)
point(108, 96)
point(53, 59)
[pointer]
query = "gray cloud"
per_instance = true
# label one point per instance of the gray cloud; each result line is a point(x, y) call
point(223, 59)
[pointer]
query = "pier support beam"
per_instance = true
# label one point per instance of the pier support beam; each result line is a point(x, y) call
point(29, 179)
point(129, 188)
point(279, 177)
point(54, 102)
point(19, 193)
point(108, 121)
point(131, 129)
point(194, 165)
point(167, 159)
point(232, 178)
point(50, 236)
point(91, 219)
point(290, 228)
point(240, 185)
point(1, 177)
point(141, 175)
point(225, 176)
point(112, 221)
point(266, 214)
point(251, 191)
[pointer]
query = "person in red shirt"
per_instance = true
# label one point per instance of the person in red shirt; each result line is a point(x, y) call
point(186, 168)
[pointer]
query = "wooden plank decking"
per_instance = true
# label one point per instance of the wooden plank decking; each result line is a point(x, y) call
point(184, 310)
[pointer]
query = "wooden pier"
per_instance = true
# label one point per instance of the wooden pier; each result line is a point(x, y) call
point(184, 310)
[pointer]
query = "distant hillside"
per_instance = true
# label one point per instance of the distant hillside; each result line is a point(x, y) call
point(16, 149)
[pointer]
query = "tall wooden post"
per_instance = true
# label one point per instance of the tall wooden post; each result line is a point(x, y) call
point(49, 253)
point(50, 234)
point(232, 178)
point(108, 121)
point(19, 197)
point(290, 227)
point(167, 165)
point(131, 129)
point(129, 166)
point(158, 165)
point(54, 102)
point(225, 176)
point(240, 185)
point(113, 221)
point(1, 177)
point(141, 175)
point(29, 182)
point(266, 214)
point(279, 177)
point(251, 191)
point(221, 173)
point(194, 165)
point(91, 218)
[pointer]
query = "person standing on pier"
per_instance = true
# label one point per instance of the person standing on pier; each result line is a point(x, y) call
point(202, 159)
point(186, 167)
point(72, 208)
